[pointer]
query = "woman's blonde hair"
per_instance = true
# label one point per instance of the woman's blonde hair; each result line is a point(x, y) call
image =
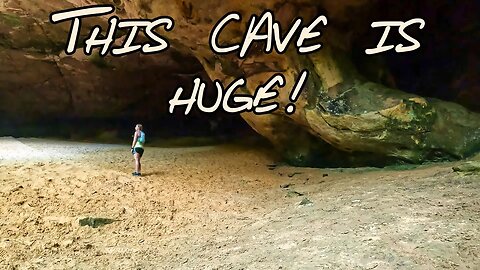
point(140, 126)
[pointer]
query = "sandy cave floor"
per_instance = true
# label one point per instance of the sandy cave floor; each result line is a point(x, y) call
point(223, 207)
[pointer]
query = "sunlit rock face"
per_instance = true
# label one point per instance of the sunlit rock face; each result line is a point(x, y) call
point(349, 110)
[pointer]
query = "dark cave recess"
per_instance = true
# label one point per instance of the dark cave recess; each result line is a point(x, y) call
point(446, 65)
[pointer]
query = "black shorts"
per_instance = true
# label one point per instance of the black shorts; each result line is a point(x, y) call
point(138, 150)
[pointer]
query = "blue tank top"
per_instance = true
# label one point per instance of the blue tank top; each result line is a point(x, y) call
point(140, 140)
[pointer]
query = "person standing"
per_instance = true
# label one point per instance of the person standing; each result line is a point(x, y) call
point(137, 148)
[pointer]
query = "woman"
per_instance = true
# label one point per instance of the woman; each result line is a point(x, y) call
point(137, 148)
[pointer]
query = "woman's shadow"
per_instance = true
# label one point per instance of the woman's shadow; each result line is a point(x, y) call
point(155, 173)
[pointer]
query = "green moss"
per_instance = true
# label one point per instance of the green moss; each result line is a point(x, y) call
point(472, 167)
point(422, 118)
point(42, 45)
point(57, 47)
point(5, 43)
point(10, 19)
point(99, 61)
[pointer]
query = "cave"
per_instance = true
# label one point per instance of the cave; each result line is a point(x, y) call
point(112, 94)
point(47, 93)
point(372, 161)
